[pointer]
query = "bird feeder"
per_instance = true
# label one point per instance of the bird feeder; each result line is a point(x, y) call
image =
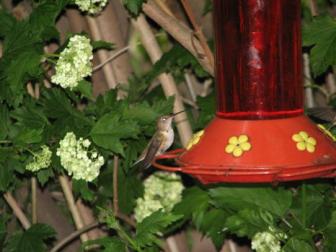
point(259, 133)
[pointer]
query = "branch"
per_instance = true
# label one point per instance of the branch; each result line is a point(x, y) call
point(184, 35)
point(65, 184)
point(74, 235)
point(198, 31)
point(17, 210)
point(111, 58)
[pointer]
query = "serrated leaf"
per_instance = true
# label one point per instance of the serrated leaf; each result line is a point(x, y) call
point(148, 229)
point(85, 88)
point(29, 136)
point(6, 174)
point(4, 122)
point(193, 196)
point(44, 175)
point(248, 222)
point(321, 34)
point(32, 240)
point(110, 129)
point(312, 207)
point(6, 21)
point(237, 198)
point(134, 6)
point(295, 245)
point(108, 244)
point(101, 44)
point(213, 225)
point(81, 188)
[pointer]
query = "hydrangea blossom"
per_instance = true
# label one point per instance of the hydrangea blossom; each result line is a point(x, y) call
point(74, 62)
point(162, 190)
point(41, 160)
point(77, 159)
point(268, 241)
point(91, 6)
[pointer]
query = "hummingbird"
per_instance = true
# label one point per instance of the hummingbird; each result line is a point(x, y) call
point(162, 139)
point(326, 114)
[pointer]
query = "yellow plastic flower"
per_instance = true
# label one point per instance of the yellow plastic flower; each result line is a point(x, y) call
point(304, 141)
point(326, 131)
point(237, 145)
point(195, 139)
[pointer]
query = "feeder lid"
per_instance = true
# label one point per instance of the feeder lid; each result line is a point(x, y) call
point(256, 151)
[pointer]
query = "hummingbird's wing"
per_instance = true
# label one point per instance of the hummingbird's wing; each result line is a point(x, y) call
point(323, 113)
point(150, 152)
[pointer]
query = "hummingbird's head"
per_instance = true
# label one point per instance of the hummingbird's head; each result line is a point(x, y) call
point(164, 122)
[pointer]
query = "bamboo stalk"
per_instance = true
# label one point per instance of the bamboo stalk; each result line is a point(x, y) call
point(17, 210)
point(66, 187)
point(167, 81)
point(184, 35)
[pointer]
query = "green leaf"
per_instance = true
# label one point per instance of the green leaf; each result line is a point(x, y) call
point(29, 136)
point(295, 245)
point(148, 229)
point(81, 188)
point(110, 129)
point(6, 176)
point(312, 207)
point(85, 88)
point(109, 244)
point(329, 235)
point(32, 240)
point(213, 225)
point(6, 21)
point(134, 6)
point(4, 122)
point(44, 175)
point(193, 196)
point(237, 198)
point(321, 34)
point(101, 44)
point(248, 222)
point(23, 49)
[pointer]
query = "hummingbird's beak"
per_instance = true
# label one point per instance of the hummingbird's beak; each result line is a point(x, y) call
point(174, 114)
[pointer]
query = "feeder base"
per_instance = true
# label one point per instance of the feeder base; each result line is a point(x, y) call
point(256, 151)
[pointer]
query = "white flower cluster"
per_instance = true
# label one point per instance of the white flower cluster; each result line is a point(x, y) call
point(77, 159)
point(41, 160)
point(74, 62)
point(162, 191)
point(268, 241)
point(91, 6)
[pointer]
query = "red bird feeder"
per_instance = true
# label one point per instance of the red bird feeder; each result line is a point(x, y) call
point(260, 133)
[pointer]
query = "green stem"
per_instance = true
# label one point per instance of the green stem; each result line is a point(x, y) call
point(51, 55)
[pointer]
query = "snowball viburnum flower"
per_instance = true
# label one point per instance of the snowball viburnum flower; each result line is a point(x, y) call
point(162, 191)
point(304, 141)
point(77, 159)
point(74, 63)
point(91, 6)
point(268, 241)
point(41, 160)
point(237, 145)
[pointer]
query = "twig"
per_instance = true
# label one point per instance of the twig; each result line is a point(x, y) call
point(17, 210)
point(198, 31)
point(116, 209)
point(34, 199)
point(111, 58)
point(184, 35)
point(74, 235)
point(167, 81)
point(65, 184)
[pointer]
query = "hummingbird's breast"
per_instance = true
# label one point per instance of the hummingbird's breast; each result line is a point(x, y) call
point(169, 140)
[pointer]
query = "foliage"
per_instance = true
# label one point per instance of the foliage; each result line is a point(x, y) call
point(304, 213)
